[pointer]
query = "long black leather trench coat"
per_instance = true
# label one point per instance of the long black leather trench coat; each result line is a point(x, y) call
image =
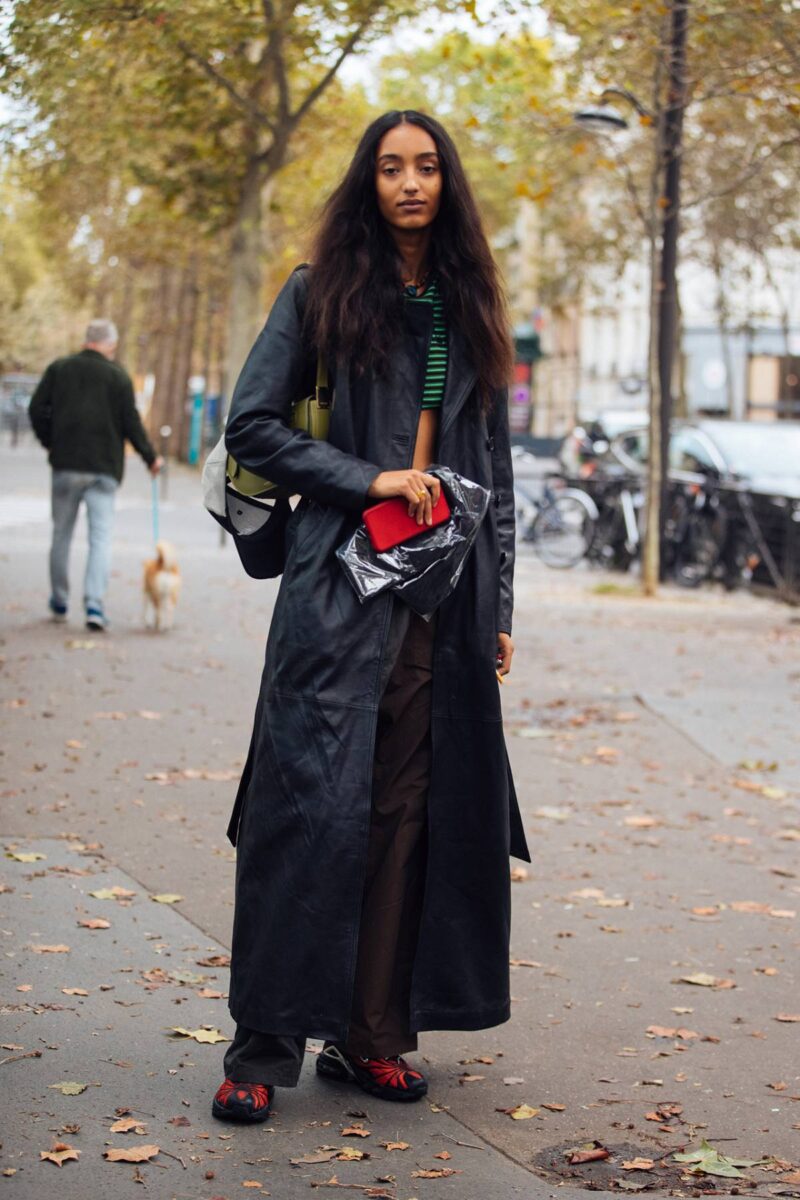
point(301, 820)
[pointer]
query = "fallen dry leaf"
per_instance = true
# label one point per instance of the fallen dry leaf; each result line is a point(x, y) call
point(787, 1017)
point(112, 893)
point(470, 1078)
point(206, 1036)
point(396, 1145)
point(638, 1164)
point(60, 1153)
point(555, 1107)
point(68, 1088)
point(214, 960)
point(356, 1131)
point(641, 822)
point(75, 991)
point(443, 1154)
point(350, 1154)
point(702, 979)
point(523, 1112)
point(25, 856)
point(436, 1173)
point(134, 1154)
point(588, 1152)
point(167, 898)
point(519, 874)
point(128, 1125)
point(665, 1031)
point(60, 949)
point(95, 923)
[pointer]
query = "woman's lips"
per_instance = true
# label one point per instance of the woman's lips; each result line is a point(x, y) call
point(412, 204)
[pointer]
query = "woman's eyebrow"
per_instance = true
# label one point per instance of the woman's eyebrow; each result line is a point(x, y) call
point(417, 157)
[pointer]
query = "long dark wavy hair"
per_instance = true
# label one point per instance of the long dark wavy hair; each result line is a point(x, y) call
point(355, 303)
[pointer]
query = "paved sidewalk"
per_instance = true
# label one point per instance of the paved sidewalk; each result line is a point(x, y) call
point(655, 751)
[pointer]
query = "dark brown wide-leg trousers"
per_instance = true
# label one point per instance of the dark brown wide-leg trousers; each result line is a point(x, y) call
point(395, 872)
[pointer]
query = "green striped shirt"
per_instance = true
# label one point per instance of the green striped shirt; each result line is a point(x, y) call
point(436, 368)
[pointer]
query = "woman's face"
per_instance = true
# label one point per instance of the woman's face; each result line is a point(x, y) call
point(408, 178)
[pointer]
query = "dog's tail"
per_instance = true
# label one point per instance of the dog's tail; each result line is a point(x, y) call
point(165, 552)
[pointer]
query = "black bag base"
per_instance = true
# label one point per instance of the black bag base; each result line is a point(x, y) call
point(258, 529)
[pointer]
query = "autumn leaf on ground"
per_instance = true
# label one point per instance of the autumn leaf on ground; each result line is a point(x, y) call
point(705, 1160)
point(702, 979)
point(60, 1153)
point(443, 1154)
point(24, 856)
point(167, 898)
point(75, 991)
point(396, 1145)
point(588, 1152)
point(641, 822)
point(555, 1107)
point(523, 1112)
point(436, 1173)
point(638, 1164)
point(356, 1131)
point(209, 1036)
point(470, 1078)
point(112, 893)
point(214, 960)
point(318, 1156)
point(665, 1031)
point(128, 1125)
point(95, 923)
point(60, 949)
point(787, 1017)
point(135, 1154)
point(350, 1154)
point(68, 1088)
point(519, 874)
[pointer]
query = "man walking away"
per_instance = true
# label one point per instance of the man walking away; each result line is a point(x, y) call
point(82, 411)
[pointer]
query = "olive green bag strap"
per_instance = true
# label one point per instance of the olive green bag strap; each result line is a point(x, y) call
point(312, 414)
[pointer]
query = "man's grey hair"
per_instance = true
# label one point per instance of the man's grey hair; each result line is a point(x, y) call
point(100, 331)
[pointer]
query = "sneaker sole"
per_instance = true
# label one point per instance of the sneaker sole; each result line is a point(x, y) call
point(337, 1074)
point(225, 1114)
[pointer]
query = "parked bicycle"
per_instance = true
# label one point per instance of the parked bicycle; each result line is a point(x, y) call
point(560, 524)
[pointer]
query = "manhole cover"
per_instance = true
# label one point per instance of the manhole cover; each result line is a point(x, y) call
point(610, 1175)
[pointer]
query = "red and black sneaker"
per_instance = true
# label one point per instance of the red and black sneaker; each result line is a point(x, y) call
point(244, 1102)
point(386, 1078)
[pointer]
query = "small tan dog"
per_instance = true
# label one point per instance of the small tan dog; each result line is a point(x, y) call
point(162, 584)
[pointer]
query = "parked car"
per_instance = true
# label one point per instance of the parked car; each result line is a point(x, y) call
point(756, 465)
point(590, 439)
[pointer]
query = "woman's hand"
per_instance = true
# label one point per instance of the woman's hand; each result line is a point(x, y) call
point(420, 489)
point(505, 651)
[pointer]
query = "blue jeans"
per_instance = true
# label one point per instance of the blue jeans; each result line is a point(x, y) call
point(97, 492)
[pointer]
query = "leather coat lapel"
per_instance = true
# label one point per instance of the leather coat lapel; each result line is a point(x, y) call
point(461, 378)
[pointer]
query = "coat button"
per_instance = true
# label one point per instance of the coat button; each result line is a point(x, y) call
point(490, 443)
point(497, 499)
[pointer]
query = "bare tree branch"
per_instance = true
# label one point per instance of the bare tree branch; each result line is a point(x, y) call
point(753, 168)
point(329, 76)
point(253, 110)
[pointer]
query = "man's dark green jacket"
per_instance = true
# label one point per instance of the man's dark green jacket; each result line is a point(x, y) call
point(83, 410)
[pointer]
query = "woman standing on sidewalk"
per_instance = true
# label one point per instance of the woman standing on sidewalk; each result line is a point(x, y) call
point(377, 811)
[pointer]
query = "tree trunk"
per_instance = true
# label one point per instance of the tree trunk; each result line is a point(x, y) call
point(246, 275)
point(185, 348)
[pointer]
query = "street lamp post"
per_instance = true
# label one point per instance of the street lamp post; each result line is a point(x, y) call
point(664, 288)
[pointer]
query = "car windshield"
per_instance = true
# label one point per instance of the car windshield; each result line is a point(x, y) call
point(752, 449)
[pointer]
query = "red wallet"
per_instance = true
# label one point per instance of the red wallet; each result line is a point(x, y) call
point(388, 523)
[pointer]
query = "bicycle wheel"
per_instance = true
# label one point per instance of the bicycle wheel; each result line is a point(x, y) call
point(699, 552)
point(562, 531)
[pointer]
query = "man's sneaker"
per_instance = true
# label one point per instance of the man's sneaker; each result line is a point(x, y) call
point(243, 1102)
point(58, 611)
point(96, 620)
point(386, 1078)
